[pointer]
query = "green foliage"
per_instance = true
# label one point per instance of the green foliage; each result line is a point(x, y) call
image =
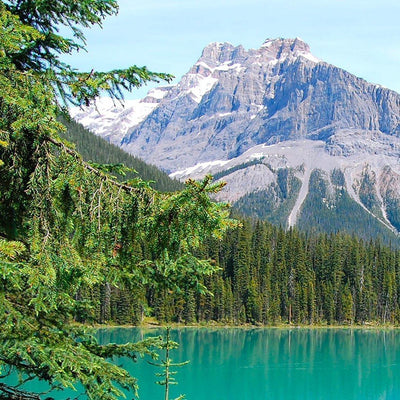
point(335, 211)
point(95, 148)
point(273, 204)
point(392, 202)
point(337, 178)
point(367, 193)
point(68, 227)
point(327, 207)
point(167, 375)
point(2, 144)
point(392, 210)
point(35, 45)
point(269, 275)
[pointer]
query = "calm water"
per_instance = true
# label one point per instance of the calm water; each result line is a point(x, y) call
point(252, 364)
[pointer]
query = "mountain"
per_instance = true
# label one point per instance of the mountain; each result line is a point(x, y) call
point(299, 141)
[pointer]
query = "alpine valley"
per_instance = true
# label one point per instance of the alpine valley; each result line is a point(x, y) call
point(299, 141)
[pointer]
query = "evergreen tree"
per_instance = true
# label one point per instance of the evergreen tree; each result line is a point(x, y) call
point(67, 226)
point(167, 375)
point(270, 275)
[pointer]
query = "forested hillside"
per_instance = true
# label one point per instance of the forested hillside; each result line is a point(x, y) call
point(95, 148)
point(327, 207)
point(268, 276)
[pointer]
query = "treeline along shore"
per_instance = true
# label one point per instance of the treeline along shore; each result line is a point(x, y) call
point(269, 276)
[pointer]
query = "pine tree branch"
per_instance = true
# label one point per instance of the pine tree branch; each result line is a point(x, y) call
point(11, 393)
point(94, 170)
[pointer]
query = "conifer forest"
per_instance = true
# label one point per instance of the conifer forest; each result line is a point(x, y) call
point(270, 276)
point(86, 239)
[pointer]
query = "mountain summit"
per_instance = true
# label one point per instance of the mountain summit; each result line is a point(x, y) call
point(272, 49)
point(292, 135)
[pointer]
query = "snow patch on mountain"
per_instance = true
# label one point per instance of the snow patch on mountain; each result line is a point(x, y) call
point(112, 119)
point(282, 49)
point(310, 57)
point(198, 169)
point(199, 85)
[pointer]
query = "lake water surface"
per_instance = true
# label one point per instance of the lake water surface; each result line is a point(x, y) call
point(252, 364)
point(268, 363)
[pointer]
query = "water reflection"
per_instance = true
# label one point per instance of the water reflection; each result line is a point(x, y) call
point(289, 364)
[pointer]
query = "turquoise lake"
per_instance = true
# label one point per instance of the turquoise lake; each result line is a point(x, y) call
point(260, 364)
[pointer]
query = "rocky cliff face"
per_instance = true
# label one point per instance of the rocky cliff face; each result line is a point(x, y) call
point(248, 115)
point(233, 99)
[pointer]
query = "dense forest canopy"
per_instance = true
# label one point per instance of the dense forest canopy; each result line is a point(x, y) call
point(68, 224)
point(270, 276)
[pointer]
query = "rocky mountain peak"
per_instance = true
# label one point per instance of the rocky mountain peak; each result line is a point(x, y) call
point(267, 120)
point(281, 49)
point(233, 99)
point(287, 46)
point(218, 53)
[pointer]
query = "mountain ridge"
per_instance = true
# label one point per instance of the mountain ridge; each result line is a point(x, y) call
point(281, 105)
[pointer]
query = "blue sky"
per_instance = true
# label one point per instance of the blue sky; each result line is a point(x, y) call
point(362, 37)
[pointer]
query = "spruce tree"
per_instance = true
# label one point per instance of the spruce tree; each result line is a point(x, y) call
point(166, 364)
point(68, 226)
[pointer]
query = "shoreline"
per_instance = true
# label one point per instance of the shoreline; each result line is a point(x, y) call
point(150, 325)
